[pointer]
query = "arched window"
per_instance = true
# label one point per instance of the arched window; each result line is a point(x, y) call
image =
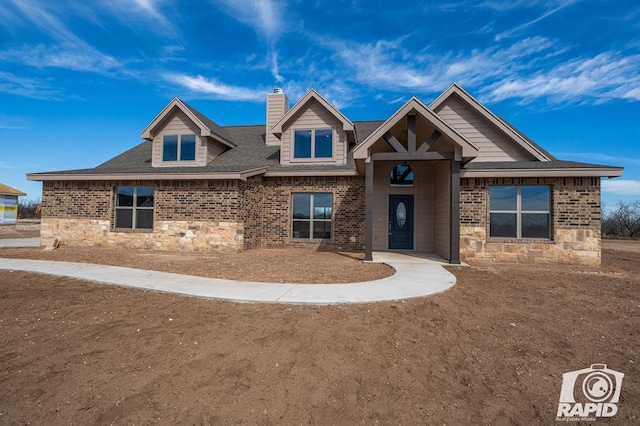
point(402, 175)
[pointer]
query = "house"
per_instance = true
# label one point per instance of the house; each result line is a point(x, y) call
point(9, 204)
point(449, 178)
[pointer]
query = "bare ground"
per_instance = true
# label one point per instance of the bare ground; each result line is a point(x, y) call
point(492, 350)
point(298, 265)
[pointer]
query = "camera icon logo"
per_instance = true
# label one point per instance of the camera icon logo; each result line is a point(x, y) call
point(590, 392)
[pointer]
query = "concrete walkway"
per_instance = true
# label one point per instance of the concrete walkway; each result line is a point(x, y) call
point(415, 277)
point(20, 242)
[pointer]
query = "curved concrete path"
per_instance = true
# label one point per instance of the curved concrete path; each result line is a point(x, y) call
point(414, 277)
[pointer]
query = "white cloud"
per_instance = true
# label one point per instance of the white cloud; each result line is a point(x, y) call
point(72, 57)
point(216, 89)
point(130, 12)
point(552, 7)
point(609, 75)
point(28, 87)
point(621, 187)
point(388, 65)
point(264, 17)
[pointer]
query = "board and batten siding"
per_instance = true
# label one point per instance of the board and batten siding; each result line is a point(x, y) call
point(178, 124)
point(422, 191)
point(314, 116)
point(491, 142)
point(442, 208)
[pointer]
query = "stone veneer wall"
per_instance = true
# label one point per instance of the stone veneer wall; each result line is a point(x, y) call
point(348, 210)
point(188, 215)
point(575, 223)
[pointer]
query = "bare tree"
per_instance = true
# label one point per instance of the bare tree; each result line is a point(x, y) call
point(628, 218)
point(624, 221)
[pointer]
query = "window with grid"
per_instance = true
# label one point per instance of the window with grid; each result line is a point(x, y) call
point(312, 213)
point(134, 207)
point(520, 212)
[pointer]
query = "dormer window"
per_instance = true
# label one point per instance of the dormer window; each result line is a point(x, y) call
point(314, 143)
point(179, 148)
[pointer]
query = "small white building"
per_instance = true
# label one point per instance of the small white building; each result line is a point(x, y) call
point(9, 204)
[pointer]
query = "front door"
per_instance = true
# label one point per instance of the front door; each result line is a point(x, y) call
point(400, 222)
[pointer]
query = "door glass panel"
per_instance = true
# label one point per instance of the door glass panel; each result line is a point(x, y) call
point(401, 214)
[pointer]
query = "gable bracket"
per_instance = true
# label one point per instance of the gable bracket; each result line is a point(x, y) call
point(395, 143)
point(429, 142)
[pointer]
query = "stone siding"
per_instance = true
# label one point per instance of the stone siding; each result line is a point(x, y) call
point(188, 215)
point(575, 223)
point(230, 216)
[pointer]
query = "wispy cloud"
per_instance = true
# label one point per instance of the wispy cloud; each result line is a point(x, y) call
point(5, 165)
point(388, 65)
point(265, 17)
point(552, 7)
point(69, 57)
point(28, 87)
point(131, 12)
point(609, 75)
point(217, 89)
point(67, 51)
point(621, 187)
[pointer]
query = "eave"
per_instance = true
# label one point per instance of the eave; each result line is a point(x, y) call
point(609, 172)
point(242, 175)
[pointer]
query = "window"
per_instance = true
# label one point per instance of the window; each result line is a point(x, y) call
point(312, 216)
point(134, 207)
point(316, 143)
point(181, 147)
point(519, 212)
point(402, 175)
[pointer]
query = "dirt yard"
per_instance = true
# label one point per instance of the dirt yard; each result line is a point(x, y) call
point(24, 228)
point(264, 265)
point(492, 350)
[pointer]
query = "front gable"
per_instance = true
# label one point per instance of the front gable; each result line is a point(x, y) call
point(495, 139)
point(312, 117)
point(182, 124)
point(393, 135)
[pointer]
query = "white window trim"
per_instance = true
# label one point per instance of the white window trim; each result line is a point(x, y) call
point(313, 158)
point(519, 212)
point(180, 160)
point(311, 218)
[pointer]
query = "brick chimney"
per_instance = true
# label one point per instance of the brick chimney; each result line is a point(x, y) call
point(277, 107)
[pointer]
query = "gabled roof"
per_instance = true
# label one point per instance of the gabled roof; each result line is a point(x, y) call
point(250, 157)
point(347, 125)
point(469, 149)
point(7, 190)
point(208, 128)
point(527, 144)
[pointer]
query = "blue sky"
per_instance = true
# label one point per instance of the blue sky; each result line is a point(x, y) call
point(79, 80)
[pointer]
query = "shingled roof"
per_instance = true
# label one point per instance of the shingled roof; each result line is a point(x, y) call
point(7, 190)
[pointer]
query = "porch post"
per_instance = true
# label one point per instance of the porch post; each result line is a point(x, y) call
point(368, 211)
point(454, 255)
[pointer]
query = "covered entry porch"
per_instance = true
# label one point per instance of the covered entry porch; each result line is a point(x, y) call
point(411, 165)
